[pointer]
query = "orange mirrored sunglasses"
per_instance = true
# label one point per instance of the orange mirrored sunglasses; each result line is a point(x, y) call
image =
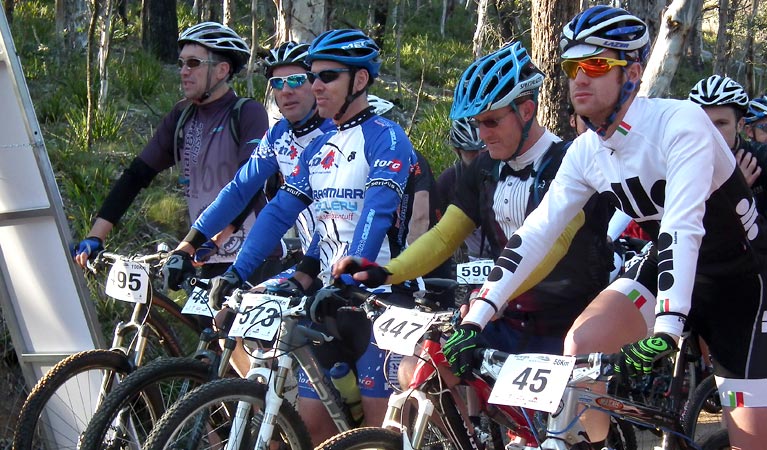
point(592, 67)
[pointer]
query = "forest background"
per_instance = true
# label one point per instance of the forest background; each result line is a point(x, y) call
point(102, 73)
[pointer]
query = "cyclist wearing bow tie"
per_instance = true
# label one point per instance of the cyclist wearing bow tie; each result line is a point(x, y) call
point(497, 191)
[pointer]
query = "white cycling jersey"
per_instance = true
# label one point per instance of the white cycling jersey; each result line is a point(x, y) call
point(668, 168)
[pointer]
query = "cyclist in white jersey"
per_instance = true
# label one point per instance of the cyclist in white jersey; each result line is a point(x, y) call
point(669, 168)
point(353, 178)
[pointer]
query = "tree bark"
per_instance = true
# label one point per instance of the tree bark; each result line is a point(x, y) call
point(696, 45)
point(229, 12)
point(159, 29)
point(548, 19)
point(669, 47)
point(377, 18)
point(722, 36)
point(103, 57)
point(749, 59)
point(300, 20)
point(650, 12)
point(72, 18)
point(478, 43)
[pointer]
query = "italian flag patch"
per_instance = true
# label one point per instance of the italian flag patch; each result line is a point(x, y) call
point(624, 128)
point(736, 399)
point(664, 305)
point(637, 298)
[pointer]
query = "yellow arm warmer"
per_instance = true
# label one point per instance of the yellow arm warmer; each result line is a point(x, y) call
point(433, 247)
point(439, 243)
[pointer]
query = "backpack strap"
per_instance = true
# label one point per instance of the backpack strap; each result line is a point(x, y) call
point(234, 119)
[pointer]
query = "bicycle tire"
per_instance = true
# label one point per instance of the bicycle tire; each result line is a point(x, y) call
point(215, 404)
point(38, 409)
point(147, 393)
point(697, 423)
point(717, 441)
point(621, 435)
point(364, 438)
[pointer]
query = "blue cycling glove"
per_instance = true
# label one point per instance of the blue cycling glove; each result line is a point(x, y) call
point(637, 359)
point(459, 349)
point(91, 245)
point(205, 252)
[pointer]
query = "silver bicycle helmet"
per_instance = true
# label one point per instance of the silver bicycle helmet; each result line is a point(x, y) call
point(219, 39)
point(717, 90)
point(465, 136)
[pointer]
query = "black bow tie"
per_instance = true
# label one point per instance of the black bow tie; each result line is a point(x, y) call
point(523, 173)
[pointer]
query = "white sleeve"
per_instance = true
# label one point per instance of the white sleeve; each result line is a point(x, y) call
point(567, 195)
point(690, 156)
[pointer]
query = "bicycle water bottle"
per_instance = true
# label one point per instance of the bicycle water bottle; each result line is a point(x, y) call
point(346, 382)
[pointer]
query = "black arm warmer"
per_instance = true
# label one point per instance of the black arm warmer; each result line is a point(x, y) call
point(133, 179)
point(195, 238)
point(309, 266)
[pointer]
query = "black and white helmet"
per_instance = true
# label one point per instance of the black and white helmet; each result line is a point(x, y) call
point(465, 137)
point(288, 54)
point(717, 90)
point(219, 39)
point(380, 106)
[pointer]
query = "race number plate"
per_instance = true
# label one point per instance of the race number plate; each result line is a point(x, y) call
point(259, 316)
point(474, 272)
point(197, 303)
point(535, 381)
point(128, 281)
point(399, 329)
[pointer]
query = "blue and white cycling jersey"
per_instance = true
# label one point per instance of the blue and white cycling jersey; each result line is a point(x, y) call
point(353, 179)
point(277, 152)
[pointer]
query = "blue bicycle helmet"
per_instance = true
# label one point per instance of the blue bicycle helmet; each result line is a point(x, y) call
point(495, 81)
point(757, 109)
point(602, 27)
point(465, 137)
point(287, 54)
point(349, 47)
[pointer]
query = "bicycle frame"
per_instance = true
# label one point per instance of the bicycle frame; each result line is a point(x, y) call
point(291, 348)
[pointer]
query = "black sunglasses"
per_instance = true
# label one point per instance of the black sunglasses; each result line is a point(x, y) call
point(327, 75)
point(193, 62)
point(293, 81)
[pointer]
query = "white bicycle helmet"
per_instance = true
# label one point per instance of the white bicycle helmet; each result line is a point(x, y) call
point(219, 39)
point(380, 106)
point(717, 90)
point(601, 27)
point(287, 54)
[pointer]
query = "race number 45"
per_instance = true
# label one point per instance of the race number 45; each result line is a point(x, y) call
point(128, 281)
point(534, 381)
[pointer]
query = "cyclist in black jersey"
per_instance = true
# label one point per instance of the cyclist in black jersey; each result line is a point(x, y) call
point(725, 102)
point(668, 167)
point(207, 154)
point(756, 120)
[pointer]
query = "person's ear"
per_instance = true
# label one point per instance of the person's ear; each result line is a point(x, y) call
point(361, 78)
point(740, 125)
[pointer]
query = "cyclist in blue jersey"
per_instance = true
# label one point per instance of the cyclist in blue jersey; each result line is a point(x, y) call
point(276, 155)
point(756, 120)
point(200, 136)
point(667, 166)
point(353, 179)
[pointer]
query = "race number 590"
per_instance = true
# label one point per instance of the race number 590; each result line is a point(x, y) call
point(474, 272)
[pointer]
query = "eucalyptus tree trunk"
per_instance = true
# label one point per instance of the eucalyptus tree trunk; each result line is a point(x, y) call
point(300, 20)
point(399, 24)
point(72, 18)
point(254, 49)
point(721, 54)
point(695, 45)
point(159, 29)
point(650, 12)
point(378, 12)
point(90, 112)
point(229, 11)
point(548, 19)
point(750, 60)
point(479, 33)
point(103, 56)
point(669, 47)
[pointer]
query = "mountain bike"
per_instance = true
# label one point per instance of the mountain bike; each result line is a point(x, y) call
point(60, 405)
point(251, 413)
point(560, 430)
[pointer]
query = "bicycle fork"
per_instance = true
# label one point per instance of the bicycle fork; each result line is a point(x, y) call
point(394, 412)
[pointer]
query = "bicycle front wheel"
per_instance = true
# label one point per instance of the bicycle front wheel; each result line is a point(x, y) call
point(59, 407)
point(364, 438)
point(128, 414)
point(697, 421)
point(207, 418)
